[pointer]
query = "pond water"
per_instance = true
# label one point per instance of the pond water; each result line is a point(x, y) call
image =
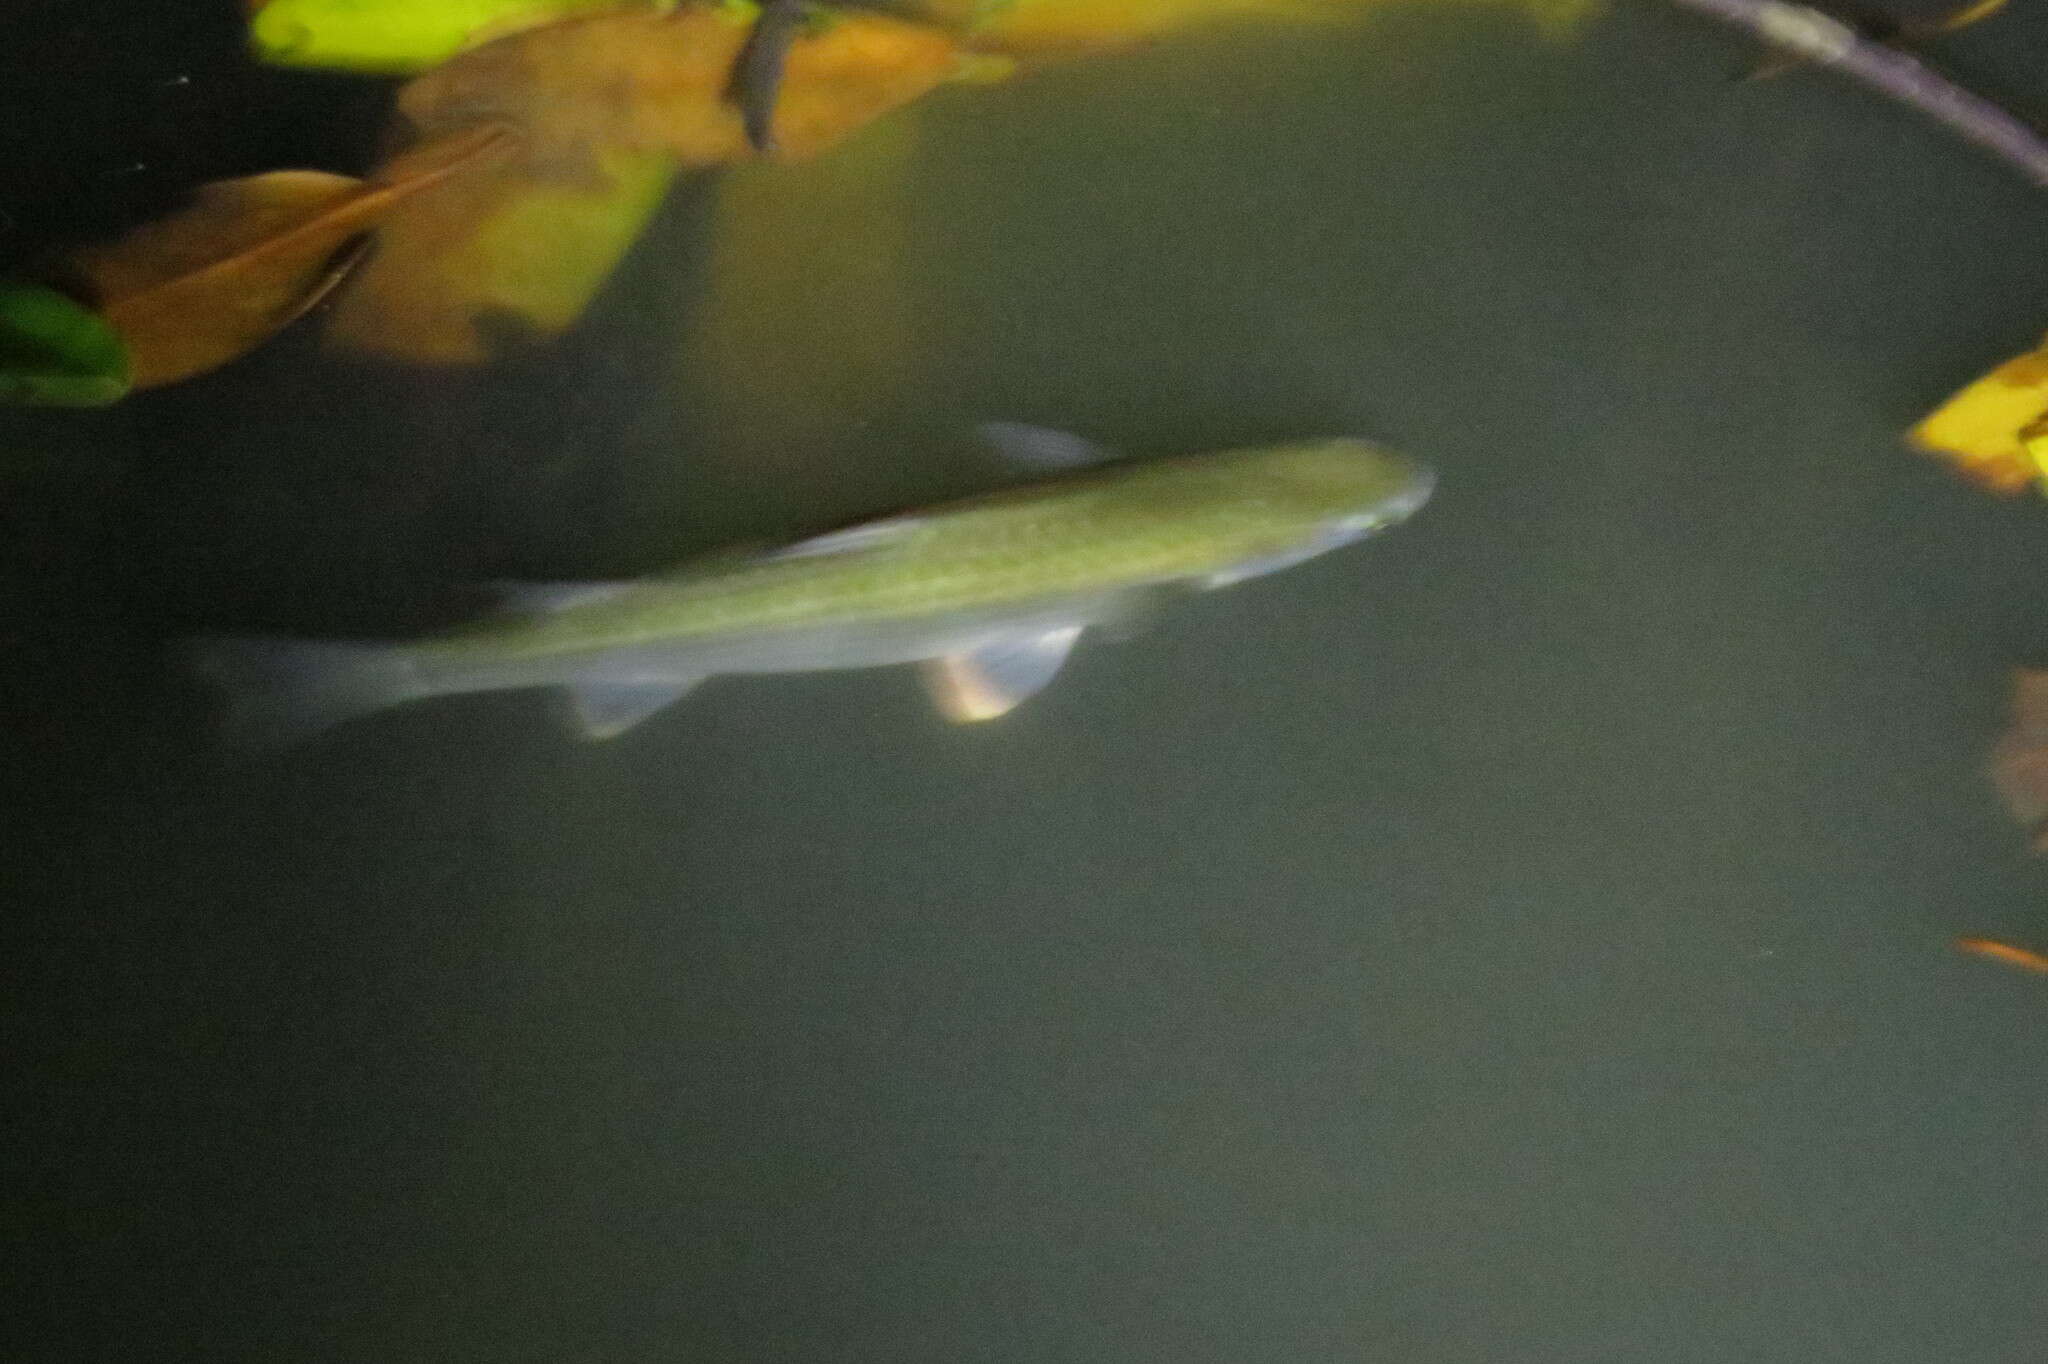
point(1522, 937)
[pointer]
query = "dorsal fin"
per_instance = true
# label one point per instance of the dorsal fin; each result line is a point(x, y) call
point(1040, 448)
point(542, 599)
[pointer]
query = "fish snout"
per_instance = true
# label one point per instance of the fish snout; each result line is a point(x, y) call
point(1408, 501)
point(1394, 507)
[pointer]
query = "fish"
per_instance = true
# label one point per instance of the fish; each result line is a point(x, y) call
point(989, 594)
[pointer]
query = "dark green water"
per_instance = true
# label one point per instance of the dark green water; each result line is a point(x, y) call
point(1523, 938)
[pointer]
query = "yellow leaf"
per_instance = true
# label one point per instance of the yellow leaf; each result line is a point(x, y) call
point(192, 291)
point(1993, 429)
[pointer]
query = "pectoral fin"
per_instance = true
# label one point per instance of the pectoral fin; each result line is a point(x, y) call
point(1138, 611)
point(605, 710)
point(1260, 567)
point(993, 679)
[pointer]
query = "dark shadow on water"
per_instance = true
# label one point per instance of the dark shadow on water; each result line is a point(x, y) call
point(306, 492)
point(295, 491)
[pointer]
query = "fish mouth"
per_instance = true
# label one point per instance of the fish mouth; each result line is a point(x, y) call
point(1407, 502)
point(1392, 509)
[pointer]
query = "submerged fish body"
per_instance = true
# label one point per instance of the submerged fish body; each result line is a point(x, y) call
point(989, 594)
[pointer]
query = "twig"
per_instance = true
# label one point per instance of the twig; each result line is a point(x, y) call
point(1828, 42)
point(756, 85)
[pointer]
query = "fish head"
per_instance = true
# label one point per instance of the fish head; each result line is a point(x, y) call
point(1293, 502)
point(1341, 487)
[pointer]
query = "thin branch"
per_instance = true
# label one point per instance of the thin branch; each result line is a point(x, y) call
point(1828, 42)
point(756, 85)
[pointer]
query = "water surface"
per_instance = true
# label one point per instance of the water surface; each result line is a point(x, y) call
point(1520, 938)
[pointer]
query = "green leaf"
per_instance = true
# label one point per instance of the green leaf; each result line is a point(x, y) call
point(400, 36)
point(57, 353)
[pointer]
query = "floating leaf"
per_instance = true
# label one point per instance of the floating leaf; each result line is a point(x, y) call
point(495, 246)
point(1996, 429)
point(55, 352)
point(641, 82)
point(1991, 949)
point(191, 292)
point(612, 106)
point(1030, 27)
point(2019, 762)
point(398, 37)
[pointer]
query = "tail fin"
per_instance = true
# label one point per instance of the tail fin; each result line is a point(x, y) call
point(280, 692)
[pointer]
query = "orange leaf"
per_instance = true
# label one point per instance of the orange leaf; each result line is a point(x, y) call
point(191, 292)
point(1992, 949)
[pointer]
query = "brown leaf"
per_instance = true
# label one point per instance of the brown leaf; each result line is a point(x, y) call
point(2030, 703)
point(2019, 762)
point(190, 292)
point(492, 251)
point(636, 82)
point(610, 106)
